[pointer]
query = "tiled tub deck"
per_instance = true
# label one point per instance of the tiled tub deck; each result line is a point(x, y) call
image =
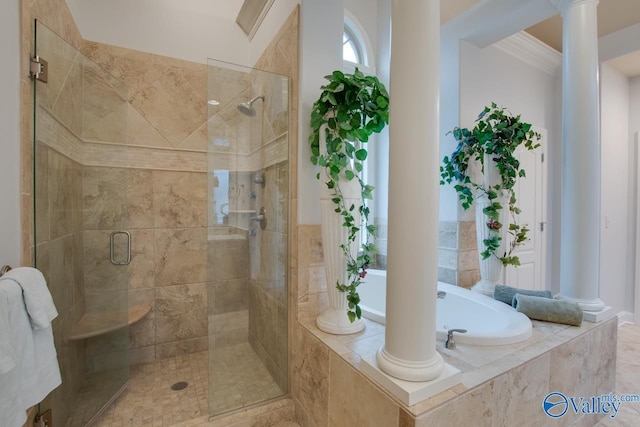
point(501, 385)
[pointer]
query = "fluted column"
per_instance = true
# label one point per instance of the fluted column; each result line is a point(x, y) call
point(580, 235)
point(412, 259)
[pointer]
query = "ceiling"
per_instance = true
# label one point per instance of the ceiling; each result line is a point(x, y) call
point(613, 15)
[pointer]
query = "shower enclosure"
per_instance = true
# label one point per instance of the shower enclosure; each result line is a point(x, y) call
point(248, 206)
point(161, 203)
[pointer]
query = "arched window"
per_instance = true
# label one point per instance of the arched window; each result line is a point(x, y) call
point(356, 48)
point(351, 49)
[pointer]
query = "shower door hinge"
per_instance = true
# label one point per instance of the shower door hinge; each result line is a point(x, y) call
point(39, 69)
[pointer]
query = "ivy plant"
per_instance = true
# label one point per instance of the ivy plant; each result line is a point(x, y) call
point(353, 106)
point(498, 134)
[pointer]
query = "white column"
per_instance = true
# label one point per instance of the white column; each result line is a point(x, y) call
point(580, 235)
point(412, 259)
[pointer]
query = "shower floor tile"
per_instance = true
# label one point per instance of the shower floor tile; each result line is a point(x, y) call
point(149, 400)
point(238, 378)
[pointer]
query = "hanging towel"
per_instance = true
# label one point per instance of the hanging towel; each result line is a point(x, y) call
point(505, 293)
point(548, 310)
point(29, 370)
point(37, 297)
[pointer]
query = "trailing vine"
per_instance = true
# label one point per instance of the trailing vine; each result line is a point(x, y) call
point(497, 134)
point(353, 106)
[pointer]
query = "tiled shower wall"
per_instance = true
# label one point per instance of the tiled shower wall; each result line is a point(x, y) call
point(59, 254)
point(268, 285)
point(273, 284)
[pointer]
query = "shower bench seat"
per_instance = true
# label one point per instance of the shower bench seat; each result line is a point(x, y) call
point(102, 322)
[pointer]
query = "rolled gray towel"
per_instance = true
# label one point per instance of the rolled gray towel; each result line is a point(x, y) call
point(505, 293)
point(548, 310)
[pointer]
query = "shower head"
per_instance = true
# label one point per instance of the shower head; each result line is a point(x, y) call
point(247, 109)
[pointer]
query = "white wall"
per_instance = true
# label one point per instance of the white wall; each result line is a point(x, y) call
point(379, 156)
point(193, 30)
point(492, 75)
point(321, 26)
point(449, 118)
point(10, 246)
point(634, 191)
point(614, 193)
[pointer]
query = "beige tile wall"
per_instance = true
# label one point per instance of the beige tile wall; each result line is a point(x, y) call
point(458, 254)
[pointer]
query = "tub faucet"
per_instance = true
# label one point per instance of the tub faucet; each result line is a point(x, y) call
point(450, 343)
point(441, 294)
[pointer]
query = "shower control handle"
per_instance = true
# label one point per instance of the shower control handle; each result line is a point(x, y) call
point(261, 218)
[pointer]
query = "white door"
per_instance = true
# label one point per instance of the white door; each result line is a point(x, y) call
point(531, 193)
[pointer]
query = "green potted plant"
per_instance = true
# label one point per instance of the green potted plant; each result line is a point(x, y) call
point(492, 143)
point(349, 110)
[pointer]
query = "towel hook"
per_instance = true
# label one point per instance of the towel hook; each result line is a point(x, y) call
point(4, 269)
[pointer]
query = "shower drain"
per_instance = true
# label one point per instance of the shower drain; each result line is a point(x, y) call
point(179, 385)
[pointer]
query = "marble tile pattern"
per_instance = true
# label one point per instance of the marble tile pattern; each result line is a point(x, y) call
point(501, 385)
point(627, 376)
point(457, 253)
point(310, 378)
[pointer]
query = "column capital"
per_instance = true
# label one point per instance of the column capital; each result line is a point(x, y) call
point(564, 5)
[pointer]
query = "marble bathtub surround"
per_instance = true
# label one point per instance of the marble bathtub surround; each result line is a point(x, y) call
point(486, 371)
point(531, 369)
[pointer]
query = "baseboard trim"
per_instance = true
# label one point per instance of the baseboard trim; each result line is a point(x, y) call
point(625, 317)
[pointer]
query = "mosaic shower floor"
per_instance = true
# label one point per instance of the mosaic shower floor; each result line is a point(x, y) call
point(149, 400)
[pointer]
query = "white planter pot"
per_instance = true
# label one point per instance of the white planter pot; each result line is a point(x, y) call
point(334, 319)
point(491, 269)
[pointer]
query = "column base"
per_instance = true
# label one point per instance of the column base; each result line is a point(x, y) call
point(407, 370)
point(336, 322)
point(592, 305)
point(484, 287)
point(411, 392)
point(597, 316)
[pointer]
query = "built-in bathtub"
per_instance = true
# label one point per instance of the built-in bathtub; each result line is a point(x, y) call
point(487, 321)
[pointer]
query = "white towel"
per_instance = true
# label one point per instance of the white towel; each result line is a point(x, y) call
point(8, 358)
point(35, 371)
point(37, 297)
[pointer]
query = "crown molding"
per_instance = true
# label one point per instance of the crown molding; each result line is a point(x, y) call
point(532, 51)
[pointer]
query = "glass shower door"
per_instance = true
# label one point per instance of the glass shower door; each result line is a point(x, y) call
point(82, 214)
point(248, 193)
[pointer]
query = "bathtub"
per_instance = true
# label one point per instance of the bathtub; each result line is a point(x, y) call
point(487, 321)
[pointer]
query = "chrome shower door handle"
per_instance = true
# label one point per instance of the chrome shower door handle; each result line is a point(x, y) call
point(112, 238)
